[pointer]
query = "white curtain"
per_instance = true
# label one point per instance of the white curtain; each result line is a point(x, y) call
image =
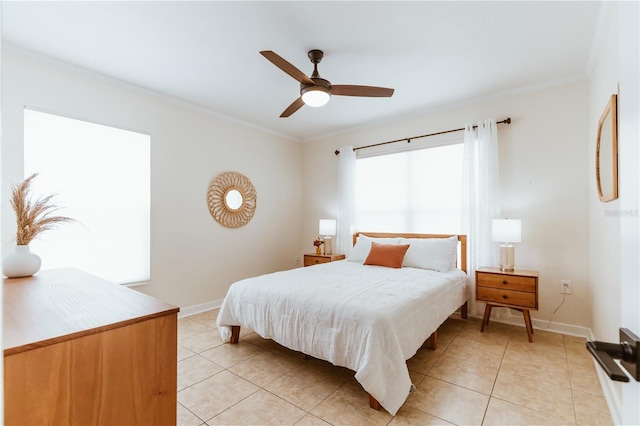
point(480, 200)
point(347, 194)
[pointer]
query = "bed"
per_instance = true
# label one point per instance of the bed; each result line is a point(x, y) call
point(366, 317)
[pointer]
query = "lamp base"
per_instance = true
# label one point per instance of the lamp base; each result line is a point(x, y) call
point(327, 245)
point(507, 257)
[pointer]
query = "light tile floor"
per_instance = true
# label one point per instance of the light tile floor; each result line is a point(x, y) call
point(491, 378)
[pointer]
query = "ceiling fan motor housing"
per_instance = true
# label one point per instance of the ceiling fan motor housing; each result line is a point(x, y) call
point(320, 84)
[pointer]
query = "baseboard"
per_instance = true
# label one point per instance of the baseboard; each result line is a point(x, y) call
point(197, 309)
point(610, 395)
point(554, 327)
point(608, 389)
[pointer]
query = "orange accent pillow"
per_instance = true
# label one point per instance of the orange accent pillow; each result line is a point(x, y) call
point(389, 255)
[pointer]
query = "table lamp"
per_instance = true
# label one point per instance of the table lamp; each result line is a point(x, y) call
point(327, 227)
point(506, 231)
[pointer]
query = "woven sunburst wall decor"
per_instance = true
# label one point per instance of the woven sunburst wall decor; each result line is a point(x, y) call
point(232, 199)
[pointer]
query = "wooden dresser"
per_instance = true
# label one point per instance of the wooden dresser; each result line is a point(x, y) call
point(81, 350)
point(516, 290)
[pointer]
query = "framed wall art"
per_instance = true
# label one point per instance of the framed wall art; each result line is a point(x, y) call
point(607, 152)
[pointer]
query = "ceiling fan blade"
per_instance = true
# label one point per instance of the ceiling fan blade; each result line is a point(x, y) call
point(286, 66)
point(296, 105)
point(367, 91)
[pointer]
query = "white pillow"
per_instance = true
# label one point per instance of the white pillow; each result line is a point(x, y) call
point(438, 254)
point(360, 251)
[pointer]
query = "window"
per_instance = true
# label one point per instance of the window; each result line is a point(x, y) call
point(413, 191)
point(101, 178)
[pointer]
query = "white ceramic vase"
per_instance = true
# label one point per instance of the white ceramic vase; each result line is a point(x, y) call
point(21, 263)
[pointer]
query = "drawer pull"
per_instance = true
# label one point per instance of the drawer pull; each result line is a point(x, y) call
point(505, 282)
point(317, 261)
point(504, 296)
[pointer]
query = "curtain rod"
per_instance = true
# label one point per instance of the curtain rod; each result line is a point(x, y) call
point(505, 121)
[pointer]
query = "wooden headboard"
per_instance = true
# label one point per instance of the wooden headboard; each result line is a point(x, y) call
point(461, 238)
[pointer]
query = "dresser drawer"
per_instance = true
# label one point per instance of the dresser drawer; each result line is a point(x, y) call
point(511, 282)
point(506, 297)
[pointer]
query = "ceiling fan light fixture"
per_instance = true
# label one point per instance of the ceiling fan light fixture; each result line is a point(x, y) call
point(315, 96)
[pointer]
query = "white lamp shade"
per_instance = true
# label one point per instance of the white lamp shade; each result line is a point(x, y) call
point(507, 230)
point(316, 98)
point(327, 227)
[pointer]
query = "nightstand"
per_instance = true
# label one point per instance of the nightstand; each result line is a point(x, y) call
point(516, 290)
point(314, 259)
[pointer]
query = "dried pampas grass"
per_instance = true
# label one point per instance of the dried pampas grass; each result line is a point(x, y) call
point(33, 216)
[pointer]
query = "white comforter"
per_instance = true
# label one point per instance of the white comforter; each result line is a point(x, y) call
point(370, 319)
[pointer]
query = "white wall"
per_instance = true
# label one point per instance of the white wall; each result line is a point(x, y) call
point(604, 242)
point(544, 181)
point(604, 227)
point(615, 240)
point(629, 135)
point(193, 258)
point(2, 196)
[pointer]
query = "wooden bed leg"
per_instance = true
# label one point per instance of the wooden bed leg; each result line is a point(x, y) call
point(235, 334)
point(463, 310)
point(373, 403)
point(432, 341)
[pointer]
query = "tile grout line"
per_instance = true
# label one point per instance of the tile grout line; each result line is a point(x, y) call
point(199, 418)
point(206, 378)
point(573, 399)
point(504, 352)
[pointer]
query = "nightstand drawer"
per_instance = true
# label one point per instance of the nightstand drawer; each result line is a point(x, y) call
point(506, 297)
point(314, 260)
point(511, 282)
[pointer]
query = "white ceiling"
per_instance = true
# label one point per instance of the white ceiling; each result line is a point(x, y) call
point(207, 52)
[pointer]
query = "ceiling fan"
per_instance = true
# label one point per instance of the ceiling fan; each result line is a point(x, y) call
point(316, 91)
